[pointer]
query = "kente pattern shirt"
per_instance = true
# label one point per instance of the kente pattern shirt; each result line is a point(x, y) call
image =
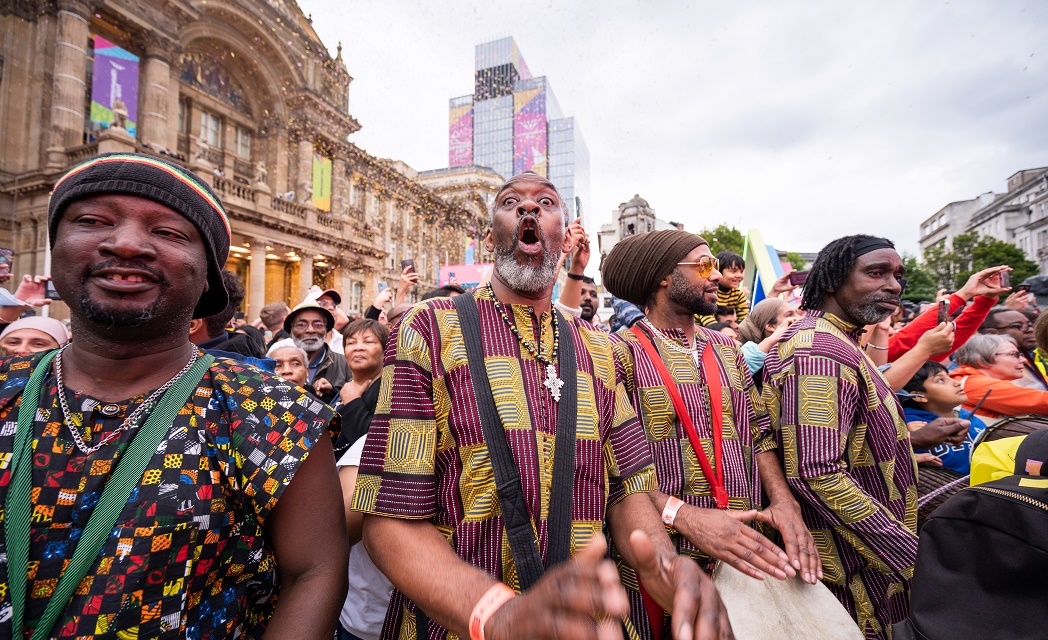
point(187, 557)
point(745, 428)
point(426, 458)
point(846, 454)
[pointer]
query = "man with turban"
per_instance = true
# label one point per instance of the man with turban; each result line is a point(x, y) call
point(149, 489)
point(705, 440)
point(482, 385)
point(842, 434)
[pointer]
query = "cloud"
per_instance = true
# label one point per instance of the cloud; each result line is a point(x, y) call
point(808, 120)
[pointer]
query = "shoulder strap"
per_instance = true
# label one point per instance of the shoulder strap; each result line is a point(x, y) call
point(103, 517)
point(715, 476)
point(516, 517)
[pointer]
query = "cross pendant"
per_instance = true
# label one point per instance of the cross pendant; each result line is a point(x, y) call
point(553, 382)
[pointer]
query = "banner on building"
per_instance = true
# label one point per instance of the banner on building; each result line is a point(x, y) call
point(114, 85)
point(470, 276)
point(460, 134)
point(321, 182)
point(529, 131)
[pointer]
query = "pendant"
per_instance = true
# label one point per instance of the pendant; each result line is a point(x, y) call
point(553, 382)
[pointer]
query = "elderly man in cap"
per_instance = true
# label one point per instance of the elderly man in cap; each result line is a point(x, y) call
point(497, 383)
point(308, 323)
point(842, 434)
point(705, 423)
point(150, 490)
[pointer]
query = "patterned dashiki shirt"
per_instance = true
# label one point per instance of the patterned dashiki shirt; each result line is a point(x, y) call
point(188, 556)
point(425, 456)
point(746, 431)
point(846, 453)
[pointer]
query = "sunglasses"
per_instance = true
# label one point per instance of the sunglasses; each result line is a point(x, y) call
point(704, 267)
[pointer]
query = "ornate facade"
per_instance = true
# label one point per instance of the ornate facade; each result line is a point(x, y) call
point(242, 92)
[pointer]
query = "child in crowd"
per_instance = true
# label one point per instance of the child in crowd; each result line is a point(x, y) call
point(931, 393)
point(729, 295)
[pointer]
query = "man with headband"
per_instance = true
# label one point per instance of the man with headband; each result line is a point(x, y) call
point(703, 417)
point(842, 435)
point(502, 448)
point(147, 487)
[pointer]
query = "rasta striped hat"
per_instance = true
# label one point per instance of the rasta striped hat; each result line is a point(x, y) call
point(163, 182)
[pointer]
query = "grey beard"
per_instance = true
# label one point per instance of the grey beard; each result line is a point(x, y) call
point(525, 278)
point(309, 345)
point(868, 314)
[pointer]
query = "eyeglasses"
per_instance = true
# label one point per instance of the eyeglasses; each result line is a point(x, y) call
point(704, 267)
point(1018, 326)
point(316, 325)
point(1008, 354)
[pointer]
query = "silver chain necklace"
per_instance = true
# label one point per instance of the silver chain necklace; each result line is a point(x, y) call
point(128, 423)
point(671, 344)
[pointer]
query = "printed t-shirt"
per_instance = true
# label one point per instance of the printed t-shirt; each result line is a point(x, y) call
point(188, 556)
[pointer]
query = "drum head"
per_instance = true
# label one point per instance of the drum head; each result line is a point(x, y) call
point(1010, 427)
point(772, 609)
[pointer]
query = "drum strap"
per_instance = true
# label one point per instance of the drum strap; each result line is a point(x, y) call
point(714, 476)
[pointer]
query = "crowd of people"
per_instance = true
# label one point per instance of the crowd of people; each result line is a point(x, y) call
point(490, 463)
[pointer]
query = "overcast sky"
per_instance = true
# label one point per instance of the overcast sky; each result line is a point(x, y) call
point(806, 120)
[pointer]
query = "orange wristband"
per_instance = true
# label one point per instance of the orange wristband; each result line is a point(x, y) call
point(669, 514)
point(488, 604)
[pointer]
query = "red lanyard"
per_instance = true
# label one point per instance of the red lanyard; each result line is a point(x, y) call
point(714, 476)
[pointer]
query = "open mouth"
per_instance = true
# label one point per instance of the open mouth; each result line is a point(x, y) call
point(528, 238)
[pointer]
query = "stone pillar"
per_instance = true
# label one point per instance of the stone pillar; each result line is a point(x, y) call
point(257, 279)
point(173, 78)
point(305, 275)
point(345, 287)
point(156, 120)
point(339, 186)
point(69, 84)
point(304, 180)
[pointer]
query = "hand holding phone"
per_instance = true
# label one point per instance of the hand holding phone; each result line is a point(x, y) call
point(798, 278)
point(407, 265)
point(1006, 279)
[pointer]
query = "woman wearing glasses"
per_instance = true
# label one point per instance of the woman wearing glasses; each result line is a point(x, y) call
point(994, 363)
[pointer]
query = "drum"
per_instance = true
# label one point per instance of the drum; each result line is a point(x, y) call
point(771, 609)
point(1010, 427)
point(934, 486)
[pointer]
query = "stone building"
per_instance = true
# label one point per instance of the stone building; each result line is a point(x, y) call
point(244, 93)
point(471, 187)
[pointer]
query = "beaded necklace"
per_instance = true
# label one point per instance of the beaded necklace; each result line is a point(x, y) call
point(553, 381)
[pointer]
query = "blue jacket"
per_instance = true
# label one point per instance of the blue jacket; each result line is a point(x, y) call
point(955, 458)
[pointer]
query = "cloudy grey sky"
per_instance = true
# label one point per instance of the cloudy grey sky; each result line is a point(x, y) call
point(808, 120)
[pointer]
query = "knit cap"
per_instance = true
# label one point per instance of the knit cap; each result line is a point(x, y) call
point(160, 181)
point(637, 264)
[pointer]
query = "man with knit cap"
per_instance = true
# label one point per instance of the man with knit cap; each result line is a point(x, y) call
point(498, 382)
point(705, 422)
point(147, 487)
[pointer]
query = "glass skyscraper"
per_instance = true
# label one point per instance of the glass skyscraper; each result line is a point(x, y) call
point(512, 123)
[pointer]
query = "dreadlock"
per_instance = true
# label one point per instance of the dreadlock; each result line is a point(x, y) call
point(831, 269)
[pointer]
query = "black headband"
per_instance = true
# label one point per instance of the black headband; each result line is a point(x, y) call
point(871, 244)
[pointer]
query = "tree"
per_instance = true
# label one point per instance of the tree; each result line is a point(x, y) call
point(724, 238)
point(971, 253)
point(921, 285)
point(796, 261)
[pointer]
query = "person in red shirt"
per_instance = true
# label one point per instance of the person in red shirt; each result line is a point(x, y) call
point(982, 290)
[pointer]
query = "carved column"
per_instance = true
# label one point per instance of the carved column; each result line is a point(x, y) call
point(156, 119)
point(339, 185)
point(304, 181)
point(257, 278)
point(69, 84)
point(305, 274)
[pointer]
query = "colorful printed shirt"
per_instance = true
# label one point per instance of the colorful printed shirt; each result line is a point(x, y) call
point(426, 458)
point(745, 428)
point(846, 453)
point(733, 299)
point(188, 556)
